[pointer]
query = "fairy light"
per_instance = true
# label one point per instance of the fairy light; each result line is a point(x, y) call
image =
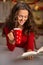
point(36, 7)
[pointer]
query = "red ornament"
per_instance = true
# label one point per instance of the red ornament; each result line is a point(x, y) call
point(40, 8)
point(14, 0)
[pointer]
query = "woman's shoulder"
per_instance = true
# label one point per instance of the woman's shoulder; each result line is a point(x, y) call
point(5, 30)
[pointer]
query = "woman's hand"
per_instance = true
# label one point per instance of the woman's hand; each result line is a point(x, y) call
point(11, 37)
point(29, 57)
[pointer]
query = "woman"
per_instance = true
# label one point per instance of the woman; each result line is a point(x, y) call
point(20, 17)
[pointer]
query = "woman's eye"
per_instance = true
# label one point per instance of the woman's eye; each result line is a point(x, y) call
point(25, 16)
point(20, 16)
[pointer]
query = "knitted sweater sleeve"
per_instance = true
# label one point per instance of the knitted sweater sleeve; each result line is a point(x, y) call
point(31, 41)
point(9, 45)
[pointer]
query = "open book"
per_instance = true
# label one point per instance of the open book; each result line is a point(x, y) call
point(31, 53)
point(38, 52)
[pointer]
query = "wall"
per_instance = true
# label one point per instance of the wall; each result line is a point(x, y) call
point(4, 10)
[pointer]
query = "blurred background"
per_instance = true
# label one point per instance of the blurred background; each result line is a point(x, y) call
point(37, 10)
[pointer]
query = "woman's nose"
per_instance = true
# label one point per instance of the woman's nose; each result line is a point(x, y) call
point(23, 18)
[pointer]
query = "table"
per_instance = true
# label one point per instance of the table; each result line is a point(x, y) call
point(8, 58)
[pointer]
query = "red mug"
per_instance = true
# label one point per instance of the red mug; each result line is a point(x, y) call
point(18, 35)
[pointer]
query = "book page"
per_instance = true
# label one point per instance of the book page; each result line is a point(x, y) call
point(29, 53)
point(40, 50)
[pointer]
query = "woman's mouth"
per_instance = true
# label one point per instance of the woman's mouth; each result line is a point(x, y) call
point(21, 22)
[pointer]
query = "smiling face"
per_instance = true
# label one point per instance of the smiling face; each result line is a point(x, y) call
point(22, 16)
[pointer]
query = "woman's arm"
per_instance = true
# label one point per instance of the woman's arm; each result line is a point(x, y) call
point(31, 39)
point(10, 39)
point(30, 46)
